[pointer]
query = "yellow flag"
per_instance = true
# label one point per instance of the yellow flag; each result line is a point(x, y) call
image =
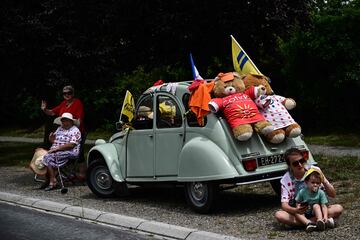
point(128, 108)
point(242, 62)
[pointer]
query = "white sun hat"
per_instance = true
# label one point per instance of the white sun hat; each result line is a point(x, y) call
point(67, 116)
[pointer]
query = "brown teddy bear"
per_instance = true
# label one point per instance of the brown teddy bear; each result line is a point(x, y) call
point(238, 106)
point(275, 109)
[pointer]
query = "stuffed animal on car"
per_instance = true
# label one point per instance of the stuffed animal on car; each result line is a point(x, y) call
point(238, 106)
point(275, 109)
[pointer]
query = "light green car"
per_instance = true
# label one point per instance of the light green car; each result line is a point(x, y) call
point(167, 145)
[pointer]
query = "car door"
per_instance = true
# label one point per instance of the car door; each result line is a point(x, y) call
point(168, 135)
point(140, 142)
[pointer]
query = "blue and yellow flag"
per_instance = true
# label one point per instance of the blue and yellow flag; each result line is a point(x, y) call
point(242, 62)
point(128, 108)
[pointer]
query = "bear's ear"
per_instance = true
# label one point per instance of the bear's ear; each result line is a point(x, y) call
point(242, 76)
point(267, 79)
point(236, 74)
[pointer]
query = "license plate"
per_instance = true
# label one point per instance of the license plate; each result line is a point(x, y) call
point(270, 160)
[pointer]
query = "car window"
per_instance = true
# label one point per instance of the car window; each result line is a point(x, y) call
point(190, 116)
point(168, 113)
point(144, 114)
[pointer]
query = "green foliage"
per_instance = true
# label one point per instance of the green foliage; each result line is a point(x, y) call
point(323, 70)
point(30, 109)
point(107, 101)
point(104, 48)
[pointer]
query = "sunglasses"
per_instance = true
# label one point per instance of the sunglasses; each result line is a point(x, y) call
point(67, 93)
point(298, 162)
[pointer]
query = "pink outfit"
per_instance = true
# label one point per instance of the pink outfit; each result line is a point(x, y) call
point(275, 112)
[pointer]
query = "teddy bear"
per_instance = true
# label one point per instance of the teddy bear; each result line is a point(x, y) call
point(238, 106)
point(275, 109)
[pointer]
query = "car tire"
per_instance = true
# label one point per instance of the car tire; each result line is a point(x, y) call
point(101, 182)
point(201, 195)
point(276, 186)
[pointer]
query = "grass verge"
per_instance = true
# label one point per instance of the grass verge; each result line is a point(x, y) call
point(39, 133)
point(346, 140)
point(21, 132)
point(20, 154)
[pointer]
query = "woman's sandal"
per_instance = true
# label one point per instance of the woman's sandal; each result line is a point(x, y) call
point(51, 187)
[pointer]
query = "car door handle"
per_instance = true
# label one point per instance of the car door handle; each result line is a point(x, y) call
point(151, 135)
point(181, 134)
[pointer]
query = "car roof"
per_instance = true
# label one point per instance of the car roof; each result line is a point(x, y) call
point(181, 87)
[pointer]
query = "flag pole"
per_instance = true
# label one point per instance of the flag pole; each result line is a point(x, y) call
point(196, 74)
point(192, 67)
point(122, 107)
point(245, 54)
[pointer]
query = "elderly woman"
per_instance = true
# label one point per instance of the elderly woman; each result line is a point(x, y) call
point(291, 183)
point(66, 144)
point(72, 105)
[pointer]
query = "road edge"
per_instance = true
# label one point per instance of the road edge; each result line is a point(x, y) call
point(130, 223)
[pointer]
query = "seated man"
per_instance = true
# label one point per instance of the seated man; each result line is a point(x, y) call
point(144, 113)
point(144, 118)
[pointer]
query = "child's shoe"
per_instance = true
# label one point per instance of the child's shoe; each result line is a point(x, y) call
point(330, 223)
point(310, 227)
point(320, 224)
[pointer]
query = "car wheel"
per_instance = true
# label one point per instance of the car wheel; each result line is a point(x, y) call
point(200, 195)
point(100, 181)
point(276, 186)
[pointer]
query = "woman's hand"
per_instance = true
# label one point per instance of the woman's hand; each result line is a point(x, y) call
point(52, 150)
point(329, 188)
point(52, 137)
point(300, 209)
point(43, 105)
point(320, 171)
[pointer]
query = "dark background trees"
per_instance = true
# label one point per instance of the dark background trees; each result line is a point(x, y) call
point(106, 47)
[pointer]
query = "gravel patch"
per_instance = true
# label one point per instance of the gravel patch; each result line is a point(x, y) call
point(334, 150)
point(245, 212)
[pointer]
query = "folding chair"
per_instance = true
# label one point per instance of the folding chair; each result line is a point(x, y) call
point(68, 171)
point(65, 173)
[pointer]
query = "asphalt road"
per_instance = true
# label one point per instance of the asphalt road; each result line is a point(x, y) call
point(22, 223)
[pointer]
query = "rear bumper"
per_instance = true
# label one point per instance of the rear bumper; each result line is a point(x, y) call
point(256, 178)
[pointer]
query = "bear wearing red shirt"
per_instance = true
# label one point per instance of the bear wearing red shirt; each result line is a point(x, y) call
point(238, 106)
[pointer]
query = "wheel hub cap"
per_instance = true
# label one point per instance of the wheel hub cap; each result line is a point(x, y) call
point(103, 180)
point(199, 191)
